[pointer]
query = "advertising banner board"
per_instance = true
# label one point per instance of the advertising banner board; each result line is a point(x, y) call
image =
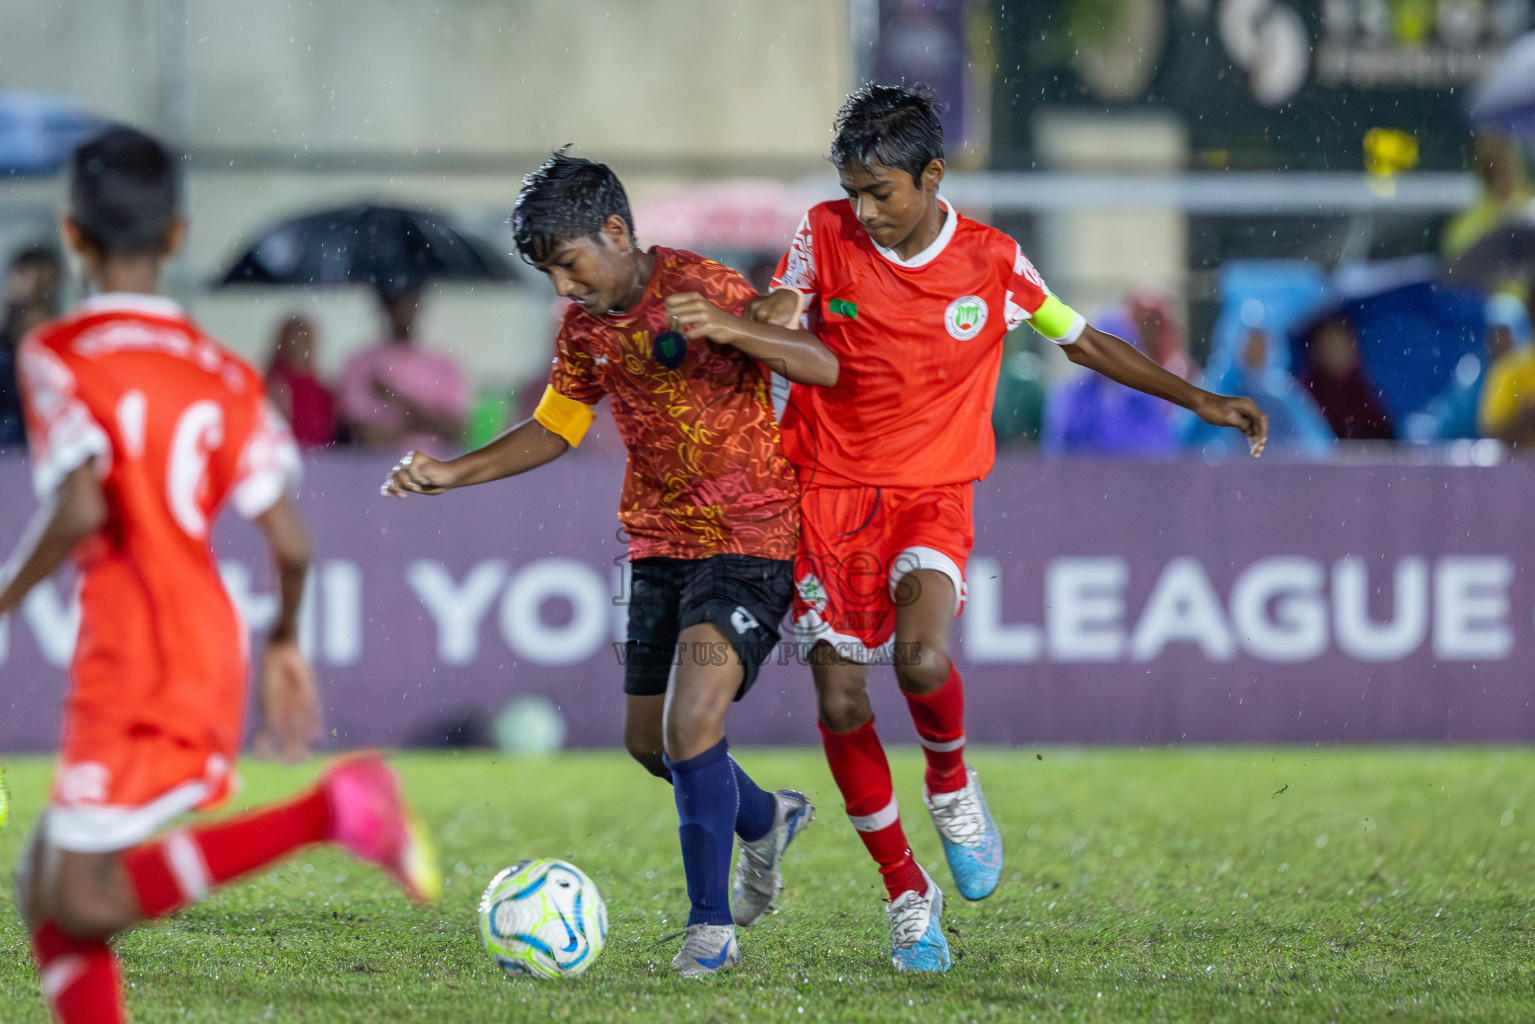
point(1108, 602)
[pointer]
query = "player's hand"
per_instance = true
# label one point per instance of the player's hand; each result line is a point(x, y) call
point(781, 308)
point(416, 474)
point(696, 317)
point(1241, 413)
point(290, 704)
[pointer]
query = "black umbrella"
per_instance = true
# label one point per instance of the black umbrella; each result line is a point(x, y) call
point(393, 250)
point(1506, 252)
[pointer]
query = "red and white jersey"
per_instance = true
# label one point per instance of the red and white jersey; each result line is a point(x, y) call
point(920, 345)
point(174, 426)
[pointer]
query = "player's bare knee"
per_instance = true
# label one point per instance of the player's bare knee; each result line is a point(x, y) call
point(844, 709)
point(650, 758)
point(646, 749)
point(687, 734)
point(90, 912)
point(923, 669)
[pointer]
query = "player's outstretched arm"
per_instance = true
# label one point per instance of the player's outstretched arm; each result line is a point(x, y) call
point(289, 701)
point(526, 446)
point(75, 510)
point(1120, 361)
point(797, 355)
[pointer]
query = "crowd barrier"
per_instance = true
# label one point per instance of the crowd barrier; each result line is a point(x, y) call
point(1108, 602)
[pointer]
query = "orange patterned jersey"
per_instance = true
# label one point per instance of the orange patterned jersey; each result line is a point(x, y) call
point(175, 427)
point(706, 475)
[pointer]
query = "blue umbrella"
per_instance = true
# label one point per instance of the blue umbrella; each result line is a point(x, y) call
point(1504, 100)
point(39, 131)
point(1412, 329)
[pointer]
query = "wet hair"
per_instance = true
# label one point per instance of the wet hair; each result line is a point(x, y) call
point(895, 125)
point(566, 198)
point(124, 191)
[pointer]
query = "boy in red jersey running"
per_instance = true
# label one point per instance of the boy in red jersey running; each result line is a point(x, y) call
point(709, 506)
point(913, 300)
point(141, 429)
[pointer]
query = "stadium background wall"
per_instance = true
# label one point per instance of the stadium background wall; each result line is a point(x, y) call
point(1157, 603)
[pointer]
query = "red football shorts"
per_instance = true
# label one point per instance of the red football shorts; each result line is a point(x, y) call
point(144, 741)
point(857, 546)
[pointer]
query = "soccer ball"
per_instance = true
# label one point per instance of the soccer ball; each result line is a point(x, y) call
point(543, 918)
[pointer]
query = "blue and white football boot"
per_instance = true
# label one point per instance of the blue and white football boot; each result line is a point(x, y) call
point(757, 878)
point(972, 843)
point(916, 930)
point(707, 949)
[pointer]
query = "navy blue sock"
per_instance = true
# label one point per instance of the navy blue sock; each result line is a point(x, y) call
point(707, 800)
point(757, 807)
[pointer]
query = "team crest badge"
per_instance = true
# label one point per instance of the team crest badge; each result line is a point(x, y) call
point(812, 592)
point(965, 317)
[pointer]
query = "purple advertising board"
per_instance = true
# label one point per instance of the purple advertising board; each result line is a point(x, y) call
point(1108, 602)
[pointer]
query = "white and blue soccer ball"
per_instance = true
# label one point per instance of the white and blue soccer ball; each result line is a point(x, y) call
point(543, 918)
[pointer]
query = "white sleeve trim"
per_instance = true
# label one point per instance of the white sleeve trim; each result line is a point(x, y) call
point(1072, 333)
point(74, 439)
point(259, 492)
point(270, 466)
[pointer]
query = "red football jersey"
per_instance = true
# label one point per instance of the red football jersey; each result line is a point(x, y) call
point(175, 426)
point(919, 342)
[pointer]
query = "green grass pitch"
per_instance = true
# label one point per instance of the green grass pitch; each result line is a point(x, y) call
point(1238, 884)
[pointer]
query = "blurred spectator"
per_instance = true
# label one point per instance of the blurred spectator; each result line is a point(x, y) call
point(399, 394)
point(293, 387)
point(1253, 364)
point(31, 298)
point(1507, 408)
point(1456, 411)
point(1334, 377)
point(1151, 315)
point(1089, 414)
point(1505, 193)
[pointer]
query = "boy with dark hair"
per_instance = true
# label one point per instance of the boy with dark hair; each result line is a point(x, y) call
point(913, 300)
point(141, 429)
point(709, 506)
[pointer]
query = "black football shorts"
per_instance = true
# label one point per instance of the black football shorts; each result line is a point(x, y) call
point(744, 596)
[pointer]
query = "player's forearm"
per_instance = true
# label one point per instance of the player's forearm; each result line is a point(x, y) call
point(1120, 361)
point(75, 511)
point(797, 355)
point(42, 550)
point(289, 543)
point(526, 446)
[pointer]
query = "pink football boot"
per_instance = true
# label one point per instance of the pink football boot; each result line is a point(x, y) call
point(369, 817)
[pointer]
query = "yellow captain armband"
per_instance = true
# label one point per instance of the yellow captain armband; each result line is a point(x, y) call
point(564, 416)
point(1058, 321)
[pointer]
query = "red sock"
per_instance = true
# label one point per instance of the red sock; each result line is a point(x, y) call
point(180, 869)
point(858, 764)
point(81, 981)
point(940, 720)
